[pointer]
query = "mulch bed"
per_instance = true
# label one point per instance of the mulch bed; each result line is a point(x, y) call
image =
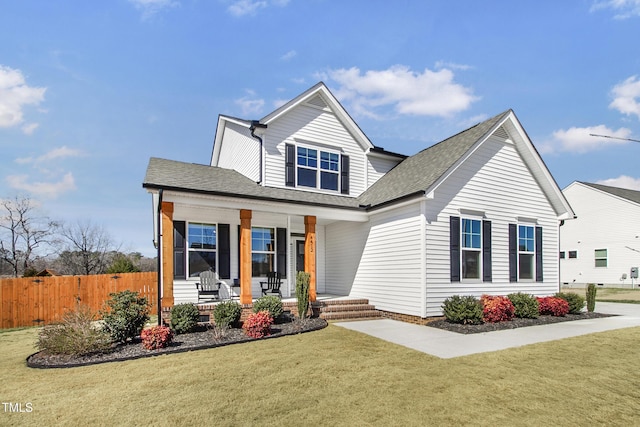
point(201, 339)
point(511, 324)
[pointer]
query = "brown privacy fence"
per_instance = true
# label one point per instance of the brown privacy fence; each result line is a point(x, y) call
point(32, 301)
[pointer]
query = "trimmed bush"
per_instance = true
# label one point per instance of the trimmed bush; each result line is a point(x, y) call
point(184, 318)
point(526, 306)
point(466, 310)
point(302, 293)
point(270, 303)
point(227, 314)
point(553, 306)
point(156, 337)
point(591, 297)
point(575, 301)
point(125, 315)
point(496, 309)
point(76, 335)
point(258, 324)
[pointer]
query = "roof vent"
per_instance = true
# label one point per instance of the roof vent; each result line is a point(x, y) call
point(501, 133)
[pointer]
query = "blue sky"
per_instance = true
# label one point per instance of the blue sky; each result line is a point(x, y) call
point(90, 90)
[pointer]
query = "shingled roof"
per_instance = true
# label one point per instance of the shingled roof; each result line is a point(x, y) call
point(631, 195)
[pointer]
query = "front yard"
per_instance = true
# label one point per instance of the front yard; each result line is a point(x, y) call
point(333, 377)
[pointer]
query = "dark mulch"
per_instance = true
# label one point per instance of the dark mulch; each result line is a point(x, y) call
point(512, 324)
point(201, 339)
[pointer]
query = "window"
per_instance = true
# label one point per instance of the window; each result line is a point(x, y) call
point(307, 167)
point(526, 252)
point(202, 241)
point(471, 244)
point(307, 161)
point(263, 251)
point(601, 257)
point(329, 171)
point(573, 254)
point(562, 255)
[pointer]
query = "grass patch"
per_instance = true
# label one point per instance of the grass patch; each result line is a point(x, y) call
point(621, 295)
point(338, 377)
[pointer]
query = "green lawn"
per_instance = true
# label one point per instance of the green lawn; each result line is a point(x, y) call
point(334, 377)
point(623, 295)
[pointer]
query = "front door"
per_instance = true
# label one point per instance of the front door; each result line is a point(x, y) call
point(299, 256)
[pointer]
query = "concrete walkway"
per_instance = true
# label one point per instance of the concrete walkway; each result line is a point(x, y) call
point(446, 345)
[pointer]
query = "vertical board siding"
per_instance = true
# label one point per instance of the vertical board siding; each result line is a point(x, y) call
point(36, 301)
point(240, 151)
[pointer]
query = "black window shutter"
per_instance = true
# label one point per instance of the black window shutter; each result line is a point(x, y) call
point(539, 275)
point(179, 250)
point(281, 252)
point(224, 251)
point(290, 165)
point(513, 253)
point(454, 247)
point(344, 174)
point(486, 251)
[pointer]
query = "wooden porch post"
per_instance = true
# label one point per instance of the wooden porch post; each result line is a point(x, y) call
point(167, 254)
point(246, 296)
point(310, 253)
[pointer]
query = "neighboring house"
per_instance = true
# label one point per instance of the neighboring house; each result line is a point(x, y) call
point(304, 189)
point(603, 243)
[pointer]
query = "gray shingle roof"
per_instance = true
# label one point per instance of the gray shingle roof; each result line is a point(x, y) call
point(631, 195)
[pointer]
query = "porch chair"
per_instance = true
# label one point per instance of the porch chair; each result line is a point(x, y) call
point(272, 285)
point(208, 286)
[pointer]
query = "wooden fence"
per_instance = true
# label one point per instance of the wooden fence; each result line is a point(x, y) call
point(36, 301)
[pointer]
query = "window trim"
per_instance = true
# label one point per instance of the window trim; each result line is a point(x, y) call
point(596, 258)
point(479, 250)
point(531, 253)
point(273, 252)
point(318, 168)
point(189, 249)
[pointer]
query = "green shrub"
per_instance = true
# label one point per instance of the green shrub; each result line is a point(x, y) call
point(302, 293)
point(227, 313)
point(575, 301)
point(76, 335)
point(463, 309)
point(184, 318)
point(526, 305)
point(270, 303)
point(591, 297)
point(125, 315)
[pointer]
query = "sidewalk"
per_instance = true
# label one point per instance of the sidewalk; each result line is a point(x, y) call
point(446, 345)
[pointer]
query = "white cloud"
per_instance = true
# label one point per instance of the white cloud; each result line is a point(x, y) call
point(289, 55)
point(250, 106)
point(43, 189)
point(55, 154)
point(15, 95)
point(430, 93)
point(623, 181)
point(151, 7)
point(580, 140)
point(626, 97)
point(623, 8)
point(251, 7)
point(29, 128)
point(452, 66)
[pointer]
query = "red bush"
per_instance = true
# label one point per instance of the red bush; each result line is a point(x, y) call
point(156, 337)
point(553, 306)
point(497, 309)
point(258, 324)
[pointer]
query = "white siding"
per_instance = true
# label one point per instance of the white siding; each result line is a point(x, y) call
point(344, 246)
point(604, 222)
point(377, 167)
point(240, 151)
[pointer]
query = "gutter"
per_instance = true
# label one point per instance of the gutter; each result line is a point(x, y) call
point(254, 125)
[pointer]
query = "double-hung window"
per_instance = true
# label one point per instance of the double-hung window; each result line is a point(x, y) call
point(202, 244)
point(308, 168)
point(526, 252)
point(601, 257)
point(263, 250)
point(471, 248)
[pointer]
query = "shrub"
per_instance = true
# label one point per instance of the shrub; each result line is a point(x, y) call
point(270, 303)
point(227, 313)
point(526, 306)
point(591, 297)
point(125, 315)
point(575, 301)
point(184, 318)
point(156, 337)
point(466, 310)
point(302, 293)
point(258, 324)
point(496, 309)
point(75, 335)
point(553, 306)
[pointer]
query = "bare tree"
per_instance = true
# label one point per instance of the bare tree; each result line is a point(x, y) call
point(23, 233)
point(88, 248)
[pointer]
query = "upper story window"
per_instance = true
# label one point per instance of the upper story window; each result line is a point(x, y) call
point(471, 244)
point(321, 169)
point(601, 257)
point(526, 252)
point(202, 244)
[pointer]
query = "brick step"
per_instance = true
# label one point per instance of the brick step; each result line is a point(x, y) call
point(346, 307)
point(350, 315)
point(341, 302)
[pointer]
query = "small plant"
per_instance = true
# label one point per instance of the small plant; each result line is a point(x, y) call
point(184, 318)
point(496, 309)
point(218, 332)
point(125, 315)
point(258, 324)
point(75, 335)
point(526, 306)
point(302, 293)
point(591, 297)
point(156, 337)
point(466, 310)
point(270, 303)
point(575, 301)
point(227, 314)
point(553, 306)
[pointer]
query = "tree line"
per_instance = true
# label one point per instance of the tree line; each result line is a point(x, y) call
point(31, 243)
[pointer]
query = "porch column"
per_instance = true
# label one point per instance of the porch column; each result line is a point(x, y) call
point(246, 296)
point(167, 254)
point(310, 253)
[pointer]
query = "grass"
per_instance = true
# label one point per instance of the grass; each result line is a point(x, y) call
point(334, 377)
point(622, 295)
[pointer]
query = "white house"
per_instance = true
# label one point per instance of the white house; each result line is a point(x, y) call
point(603, 243)
point(303, 188)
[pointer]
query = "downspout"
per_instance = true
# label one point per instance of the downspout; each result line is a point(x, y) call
point(254, 125)
point(159, 248)
point(559, 260)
